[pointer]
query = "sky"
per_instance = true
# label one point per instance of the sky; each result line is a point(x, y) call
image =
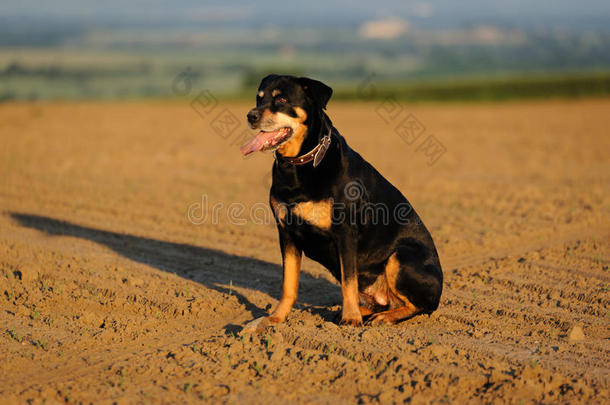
point(587, 14)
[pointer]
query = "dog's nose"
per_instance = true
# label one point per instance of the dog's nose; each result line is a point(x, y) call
point(253, 116)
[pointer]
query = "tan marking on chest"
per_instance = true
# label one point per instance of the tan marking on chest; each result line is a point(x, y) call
point(317, 213)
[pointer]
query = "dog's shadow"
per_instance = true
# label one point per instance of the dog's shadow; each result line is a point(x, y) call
point(214, 269)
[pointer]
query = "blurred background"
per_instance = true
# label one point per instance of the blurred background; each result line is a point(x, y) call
point(437, 49)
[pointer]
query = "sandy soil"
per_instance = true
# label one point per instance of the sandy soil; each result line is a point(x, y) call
point(111, 294)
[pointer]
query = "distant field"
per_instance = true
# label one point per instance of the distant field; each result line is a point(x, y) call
point(110, 85)
point(551, 86)
point(74, 74)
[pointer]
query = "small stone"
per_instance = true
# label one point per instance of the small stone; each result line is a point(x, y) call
point(576, 334)
point(259, 325)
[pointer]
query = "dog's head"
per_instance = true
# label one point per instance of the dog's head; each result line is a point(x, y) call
point(285, 109)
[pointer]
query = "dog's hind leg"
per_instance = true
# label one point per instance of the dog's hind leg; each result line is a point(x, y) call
point(405, 308)
point(414, 288)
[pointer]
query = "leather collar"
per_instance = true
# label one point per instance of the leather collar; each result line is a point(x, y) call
point(316, 154)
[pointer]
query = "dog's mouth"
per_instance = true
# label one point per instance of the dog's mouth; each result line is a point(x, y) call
point(267, 140)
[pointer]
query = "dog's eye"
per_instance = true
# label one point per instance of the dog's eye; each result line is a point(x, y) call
point(281, 100)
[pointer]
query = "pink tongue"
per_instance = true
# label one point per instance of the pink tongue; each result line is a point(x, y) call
point(259, 141)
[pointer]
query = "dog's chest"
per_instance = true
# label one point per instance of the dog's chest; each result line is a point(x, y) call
point(317, 214)
point(309, 224)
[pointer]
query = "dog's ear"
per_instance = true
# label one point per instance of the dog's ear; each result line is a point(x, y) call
point(266, 80)
point(316, 90)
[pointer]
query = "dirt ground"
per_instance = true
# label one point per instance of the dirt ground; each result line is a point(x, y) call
point(127, 273)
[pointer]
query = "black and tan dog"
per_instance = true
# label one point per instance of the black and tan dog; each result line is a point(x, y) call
point(333, 206)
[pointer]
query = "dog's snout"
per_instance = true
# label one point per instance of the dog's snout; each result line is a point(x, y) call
point(253, 116)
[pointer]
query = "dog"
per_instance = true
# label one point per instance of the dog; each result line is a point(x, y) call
point(333, 206)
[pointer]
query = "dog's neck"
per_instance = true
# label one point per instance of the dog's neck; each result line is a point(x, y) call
point(291, 174)
point(318, 126)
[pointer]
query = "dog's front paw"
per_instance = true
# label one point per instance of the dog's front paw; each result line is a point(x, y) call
point(275, 319)
point(351, 320)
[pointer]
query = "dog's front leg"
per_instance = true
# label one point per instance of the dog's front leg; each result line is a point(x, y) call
point(291, 263)
point(347, 246)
